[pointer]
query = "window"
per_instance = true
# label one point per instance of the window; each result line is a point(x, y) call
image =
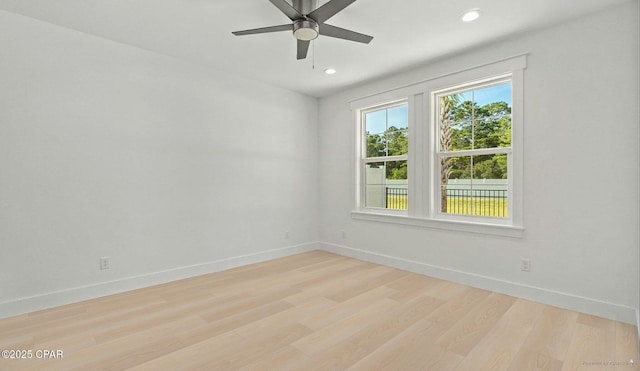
point(473, 152)
point(386, 145)
point(445, 153)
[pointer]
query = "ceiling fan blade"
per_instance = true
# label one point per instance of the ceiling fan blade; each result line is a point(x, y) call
point(341, 33)
point(283, 27)
point(303, 47)
point(287, 9)
point(329, 9)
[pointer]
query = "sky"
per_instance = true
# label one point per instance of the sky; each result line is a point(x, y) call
point(378, 121)
point(495, 93)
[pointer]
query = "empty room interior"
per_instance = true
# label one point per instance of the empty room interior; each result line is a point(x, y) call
point(319, 184)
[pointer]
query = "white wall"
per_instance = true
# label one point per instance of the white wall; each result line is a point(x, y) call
point(581, 122)
point(167, 168)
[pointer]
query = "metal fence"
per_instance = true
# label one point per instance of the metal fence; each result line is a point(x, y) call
point(482, 202)
point(396, 198)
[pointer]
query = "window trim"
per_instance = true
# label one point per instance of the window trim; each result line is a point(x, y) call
point(363, 159)
point(438, 155)
point(441, 224)
point(422, 206)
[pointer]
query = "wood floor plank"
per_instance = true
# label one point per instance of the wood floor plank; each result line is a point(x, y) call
point(286, 358)
point(297, 314)
point(466, 334)
point(336, 273)
point(448, 290)
point(191, 335)
point(369, 280)
point(247, 303)
point(591, 347)
point(334, 263)
point(343, 329)
point(338, 356)
point(394, 322)
point(626, 343)
point(194, 357)
point(347, 308)
point(230, 353)
point(317, 311)
point(374, 333)
point(412, 286)
point(498, 349)
point(456, 305)
point(320, 284)
point(412, 349)
point(548, 342)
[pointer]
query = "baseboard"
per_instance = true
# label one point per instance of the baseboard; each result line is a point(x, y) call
point(550, 297)
point(555, 298)
point(76, 294)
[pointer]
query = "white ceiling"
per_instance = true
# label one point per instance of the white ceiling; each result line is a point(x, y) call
point(406, 33)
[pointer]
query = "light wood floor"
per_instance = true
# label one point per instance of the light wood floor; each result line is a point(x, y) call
point(317, 311)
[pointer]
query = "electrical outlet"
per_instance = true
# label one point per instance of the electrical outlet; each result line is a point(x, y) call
point(343, 234)
point(525, 265)
point(287, 235)
point(104, 263)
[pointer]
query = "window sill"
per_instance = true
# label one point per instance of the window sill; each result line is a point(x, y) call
point(469, 227)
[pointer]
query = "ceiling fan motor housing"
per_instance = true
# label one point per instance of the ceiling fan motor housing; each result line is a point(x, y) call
point(305, 29)
point(305, 6)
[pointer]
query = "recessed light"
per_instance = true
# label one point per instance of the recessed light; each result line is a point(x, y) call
point(471, 15)
point(330, 71)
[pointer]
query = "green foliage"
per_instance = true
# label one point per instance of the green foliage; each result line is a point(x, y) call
point(490, 167)
point(464, 126)
point(375, 145)
point(397, 170)
point(393, 142)
point(475, 127)
point(397, 141)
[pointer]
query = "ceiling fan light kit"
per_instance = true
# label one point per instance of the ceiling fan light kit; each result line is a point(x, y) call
point(305, 29)
point(308, 23)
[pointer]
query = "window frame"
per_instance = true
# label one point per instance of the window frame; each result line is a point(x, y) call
point(423, 164)
point(365, 159)
point(438, 154)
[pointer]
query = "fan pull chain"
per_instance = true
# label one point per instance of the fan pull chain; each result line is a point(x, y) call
point(313, 54)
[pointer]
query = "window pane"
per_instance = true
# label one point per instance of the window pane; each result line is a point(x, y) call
point(490, 167)
point(376, 122)
point(455, 124)
point(376, 145)
point(398, 116)
point(374, 182)
point(493, 93)
point(475, 185)
point(386, 185)
point(476, 118)
point(397, 141)
point(492, 120)
point(457, 167)
point(387, 131)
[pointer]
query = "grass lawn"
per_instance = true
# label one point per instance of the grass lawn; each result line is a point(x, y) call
point(480, 206)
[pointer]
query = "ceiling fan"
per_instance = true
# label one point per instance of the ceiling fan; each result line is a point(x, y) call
point(308, 23)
